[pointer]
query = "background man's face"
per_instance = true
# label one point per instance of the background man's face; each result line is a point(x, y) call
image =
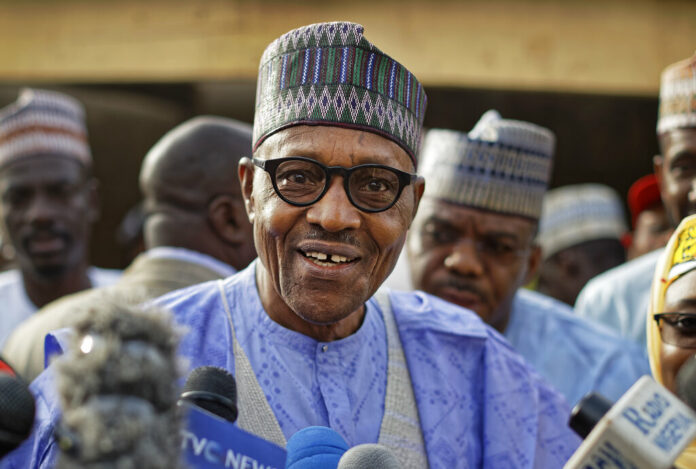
point(47, 208)
point(653, 229)
point(470, 257)
point(296, 244)
point(676, 173)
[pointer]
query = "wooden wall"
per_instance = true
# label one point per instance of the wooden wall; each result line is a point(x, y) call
point(606, 46)
point(587, 69)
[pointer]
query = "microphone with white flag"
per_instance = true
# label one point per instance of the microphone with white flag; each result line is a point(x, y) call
point(647, 428)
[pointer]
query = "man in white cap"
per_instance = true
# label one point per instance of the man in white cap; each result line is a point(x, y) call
point(48, 197)
point(580, 234)
point(472, 243)
point(330, 192)
point(619, 297)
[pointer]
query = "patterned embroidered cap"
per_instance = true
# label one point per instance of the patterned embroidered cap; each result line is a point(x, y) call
point(502, 165)
point(45, 122)
point(678, 96)
point(329, 74)
point(574, 214)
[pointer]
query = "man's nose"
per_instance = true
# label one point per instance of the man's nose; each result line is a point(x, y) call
point(465, 259)
point(333, 211)
point(41, 210)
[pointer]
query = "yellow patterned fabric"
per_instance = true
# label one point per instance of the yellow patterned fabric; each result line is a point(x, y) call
point(678, 259)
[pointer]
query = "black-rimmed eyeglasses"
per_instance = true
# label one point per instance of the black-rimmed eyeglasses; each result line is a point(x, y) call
point(677, 328)
point(303, 181)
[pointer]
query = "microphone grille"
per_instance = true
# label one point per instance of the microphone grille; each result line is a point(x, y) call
point(588, 412)
point(213, 389)
point(315, 447)
point(369, 456)
point(16, 407)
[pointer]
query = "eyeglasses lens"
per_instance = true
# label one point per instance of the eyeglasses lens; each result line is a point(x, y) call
point(373, 188)
point(678, 329)
point(300, 181)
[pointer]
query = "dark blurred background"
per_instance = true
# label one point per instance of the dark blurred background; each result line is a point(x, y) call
point(588, 70)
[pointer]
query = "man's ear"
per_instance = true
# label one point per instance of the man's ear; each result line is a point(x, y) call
point(533, 263)
point(226, 216)
point(418, 189)
point(245, 171)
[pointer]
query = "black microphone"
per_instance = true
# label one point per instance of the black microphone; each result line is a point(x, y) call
point(368, 456)
point(117, 387)
point(16, 412)
point(214, 389)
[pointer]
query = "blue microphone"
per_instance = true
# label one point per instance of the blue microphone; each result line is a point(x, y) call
point(315, 448)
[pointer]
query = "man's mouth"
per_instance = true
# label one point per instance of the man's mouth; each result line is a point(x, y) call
point(44, 244)
point(327, 259)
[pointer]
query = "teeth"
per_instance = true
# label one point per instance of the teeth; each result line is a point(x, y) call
point(325, 258)
point(317, 255)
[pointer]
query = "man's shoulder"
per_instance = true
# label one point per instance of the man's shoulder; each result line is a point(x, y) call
point(636, 271)
point(101, 277)
point(445, 328)
point(206, 295)
point(559, 317)
point(57, 314)
point(10, 278)
point(421, 311)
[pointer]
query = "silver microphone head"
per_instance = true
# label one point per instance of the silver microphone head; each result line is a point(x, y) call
point(369, 456)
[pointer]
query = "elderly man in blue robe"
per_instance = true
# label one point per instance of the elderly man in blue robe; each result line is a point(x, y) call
point(331, 192)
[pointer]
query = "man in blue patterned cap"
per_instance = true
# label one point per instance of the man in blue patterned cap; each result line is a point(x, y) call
point(473, 243)
point(331, 191)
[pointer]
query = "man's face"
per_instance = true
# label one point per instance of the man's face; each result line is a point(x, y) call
point(296, 244)
point(679, 297)
point(652, 231)
point(472, 258)
point(675, 170)
point(47, 206)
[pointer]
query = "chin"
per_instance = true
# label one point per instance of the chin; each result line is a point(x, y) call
point(322, 311)
point(50, 271)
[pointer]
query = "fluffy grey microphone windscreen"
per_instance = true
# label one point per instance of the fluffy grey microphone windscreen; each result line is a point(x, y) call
point(117, 385)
